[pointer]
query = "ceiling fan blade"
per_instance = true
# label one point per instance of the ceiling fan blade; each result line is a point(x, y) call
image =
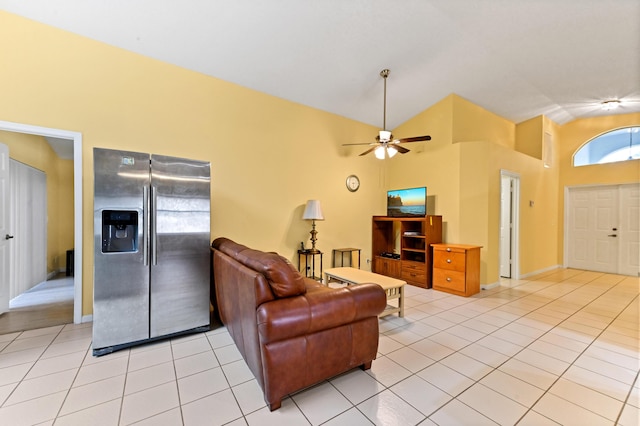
point(368, 151)
point(364, 143)
point(415, 139)
point(401, 149)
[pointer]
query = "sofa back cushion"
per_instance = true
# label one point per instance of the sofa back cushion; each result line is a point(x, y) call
point(284, 279)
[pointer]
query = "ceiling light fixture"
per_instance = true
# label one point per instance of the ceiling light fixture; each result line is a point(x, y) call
point(383, 151)
point(385, 145)
point(610, 105)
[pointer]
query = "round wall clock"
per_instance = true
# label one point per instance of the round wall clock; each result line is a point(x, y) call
point(353, 183)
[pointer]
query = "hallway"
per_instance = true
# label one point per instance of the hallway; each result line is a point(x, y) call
point(45, 305)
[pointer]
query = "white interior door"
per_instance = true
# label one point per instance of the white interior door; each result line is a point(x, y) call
point(509, 224)
point(629, 230)
point(592, 226)
point(4, 228)
point(505, 227)
point(28, 226)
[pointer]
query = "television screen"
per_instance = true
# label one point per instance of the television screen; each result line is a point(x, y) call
point(411, 202)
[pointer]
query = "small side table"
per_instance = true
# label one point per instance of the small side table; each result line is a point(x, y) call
point(309, 264)
point(342, 252)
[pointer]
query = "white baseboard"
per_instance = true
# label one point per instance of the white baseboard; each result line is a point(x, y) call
point(489, 286)
point(86, 318)
point(540, 271)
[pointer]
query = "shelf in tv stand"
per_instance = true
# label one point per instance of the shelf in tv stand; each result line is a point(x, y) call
point(411, 237)
point(414, 250)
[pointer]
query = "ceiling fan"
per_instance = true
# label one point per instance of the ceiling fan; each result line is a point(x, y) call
point(385, 145)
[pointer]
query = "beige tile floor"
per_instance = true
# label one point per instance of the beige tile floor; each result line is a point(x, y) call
point(559, 348)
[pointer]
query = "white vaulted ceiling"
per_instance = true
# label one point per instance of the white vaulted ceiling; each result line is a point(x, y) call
point(516, 58)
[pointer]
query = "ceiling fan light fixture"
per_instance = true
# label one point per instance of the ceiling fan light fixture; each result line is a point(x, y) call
point(610, 104)
point(385, 146)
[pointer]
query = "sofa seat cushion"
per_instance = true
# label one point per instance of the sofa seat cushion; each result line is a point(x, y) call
point(318, 309)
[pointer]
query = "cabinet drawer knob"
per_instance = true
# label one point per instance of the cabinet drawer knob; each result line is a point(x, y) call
point(448, 279)
point(448, 260)
point(448, 248)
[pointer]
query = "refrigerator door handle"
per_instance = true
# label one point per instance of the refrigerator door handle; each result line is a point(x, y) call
point(145, 228)
point(154, 233)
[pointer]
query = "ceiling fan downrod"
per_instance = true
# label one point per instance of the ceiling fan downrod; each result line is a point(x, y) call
point(384, 74)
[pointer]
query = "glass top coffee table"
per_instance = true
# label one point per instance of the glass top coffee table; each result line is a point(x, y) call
point(393, 287)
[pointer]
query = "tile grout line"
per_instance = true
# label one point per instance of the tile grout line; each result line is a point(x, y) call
point(525, 347)
point(579, 355)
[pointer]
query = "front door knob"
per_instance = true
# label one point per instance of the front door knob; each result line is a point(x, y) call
point(8, 237)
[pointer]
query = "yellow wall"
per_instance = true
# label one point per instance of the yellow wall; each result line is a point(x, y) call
point(268, 155)
point(573, 136)
point(577, 133)
point(432, 164)
point(529, 135)
point(461, 168)
point(474, 123)
point(36, 152)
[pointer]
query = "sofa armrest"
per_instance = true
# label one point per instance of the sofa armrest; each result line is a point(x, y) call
point(318, 310)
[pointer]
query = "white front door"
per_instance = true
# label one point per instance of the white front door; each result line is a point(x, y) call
point(602, 229)
point(629, 230)
point(5, 238)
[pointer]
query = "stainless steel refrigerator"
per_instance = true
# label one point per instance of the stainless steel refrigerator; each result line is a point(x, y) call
point(151, 233)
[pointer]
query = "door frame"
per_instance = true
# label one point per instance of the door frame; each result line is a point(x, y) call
point(515, 217)
point(76, 137)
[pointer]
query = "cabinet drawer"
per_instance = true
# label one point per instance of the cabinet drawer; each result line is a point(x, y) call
point(454, 280)
point(414, 272)
point(412, 275)
point(454, 261)
point(413, 266)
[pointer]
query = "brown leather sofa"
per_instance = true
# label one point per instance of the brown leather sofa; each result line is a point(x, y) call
point(292, 331)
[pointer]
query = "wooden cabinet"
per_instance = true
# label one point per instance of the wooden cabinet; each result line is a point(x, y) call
point(385, 266)
point(456, 268)
point(409, 239)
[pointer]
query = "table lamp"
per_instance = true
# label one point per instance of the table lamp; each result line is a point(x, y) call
point(313, 212)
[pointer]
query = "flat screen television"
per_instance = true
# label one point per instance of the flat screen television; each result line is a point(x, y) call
point(410, 202)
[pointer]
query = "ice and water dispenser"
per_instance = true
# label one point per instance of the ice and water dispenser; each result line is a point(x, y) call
point(119, 231)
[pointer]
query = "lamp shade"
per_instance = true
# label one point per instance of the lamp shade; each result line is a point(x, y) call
point(313, 211)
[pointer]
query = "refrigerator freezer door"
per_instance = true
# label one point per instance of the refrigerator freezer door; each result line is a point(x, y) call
point(121, 278)
point(180, 226)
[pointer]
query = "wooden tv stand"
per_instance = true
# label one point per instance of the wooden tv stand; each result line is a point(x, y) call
point(414, 260)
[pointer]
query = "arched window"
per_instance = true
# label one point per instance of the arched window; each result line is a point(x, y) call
point(611, 147)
